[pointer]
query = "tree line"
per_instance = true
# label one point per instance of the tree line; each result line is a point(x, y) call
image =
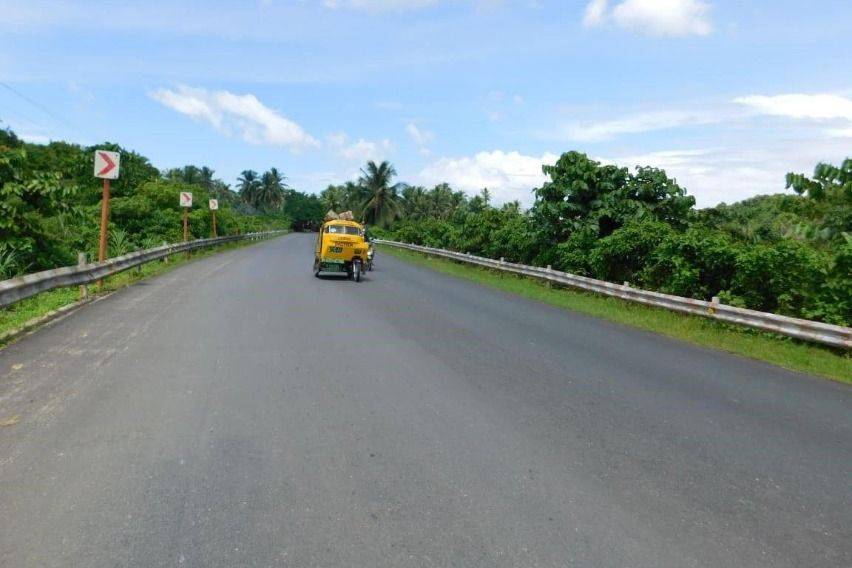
point(787, 253)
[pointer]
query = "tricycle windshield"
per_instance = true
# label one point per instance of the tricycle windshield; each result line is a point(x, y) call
point(342, 230)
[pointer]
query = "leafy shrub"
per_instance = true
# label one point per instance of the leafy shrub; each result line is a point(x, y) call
point(834, 301)
point(623, 254)
point(430, 233)
point(783, 278)
point(573, 255)
point(697, 263)
point(119, 242)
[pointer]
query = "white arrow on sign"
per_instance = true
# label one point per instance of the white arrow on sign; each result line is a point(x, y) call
point(214, 204)
point(106, 164)
point(185, 199)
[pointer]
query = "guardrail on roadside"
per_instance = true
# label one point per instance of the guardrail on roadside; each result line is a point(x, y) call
point(827, 334)
point(22, 287)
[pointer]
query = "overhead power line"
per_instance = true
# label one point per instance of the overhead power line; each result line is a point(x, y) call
point(36, 104)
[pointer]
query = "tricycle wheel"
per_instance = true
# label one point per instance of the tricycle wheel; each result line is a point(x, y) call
point(316, 268)
point(356, 270)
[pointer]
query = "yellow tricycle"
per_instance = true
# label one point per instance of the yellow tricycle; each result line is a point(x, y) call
point(341, 248)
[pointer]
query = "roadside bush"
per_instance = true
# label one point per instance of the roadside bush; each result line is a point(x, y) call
point(697, 263)
point(623, 254)
point(573, 255)
point(783, 278)
point(834, 302)
point(476, 232)
point(514, 239)
point(429, 232)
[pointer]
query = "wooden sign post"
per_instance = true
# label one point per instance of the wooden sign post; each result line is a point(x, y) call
point(186, 203)
point(106, 168)
point(214, 205)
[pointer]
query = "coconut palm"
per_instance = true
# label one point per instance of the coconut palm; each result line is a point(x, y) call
point(416, 202)
point(334, 198)
point(444, 201)
point(248, 185)
point(270, 193)
point(205, 178)
point(381, 205)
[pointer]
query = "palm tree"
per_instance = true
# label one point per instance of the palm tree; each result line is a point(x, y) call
point(191, 175)
point(270, 194)
point(416, 202)
point(381, 205)
point(355, 196)
point(205, 178)
point(443, 200)
point(334, 198)
point(248, 185)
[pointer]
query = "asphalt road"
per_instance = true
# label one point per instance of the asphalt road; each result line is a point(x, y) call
point(239, 412)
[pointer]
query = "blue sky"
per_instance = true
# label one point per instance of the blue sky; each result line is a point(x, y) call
point(726, 96)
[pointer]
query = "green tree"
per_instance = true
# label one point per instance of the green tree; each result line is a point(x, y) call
point(304, 210)
point(416, 202)
point(381, 206)
point(828, 180)
point(271, 191)
point(248, 185)
point(28, 202)
point(582, 192)
point(334, 198)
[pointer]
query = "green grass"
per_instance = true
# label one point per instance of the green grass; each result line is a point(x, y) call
point(15, 316)
point(782, 351)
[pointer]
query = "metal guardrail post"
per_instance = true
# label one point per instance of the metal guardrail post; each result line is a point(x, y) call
point(81, 263)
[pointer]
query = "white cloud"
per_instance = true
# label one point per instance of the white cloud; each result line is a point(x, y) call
point(420, 137)
point(242, 114)
point(711, 175)
point(632, 124)
point(833, 109)
point(595, 13)
point(360, 150)
point(507, 175)
point(653, 17)
point(379, 5)
point(819, 106)
point(730, 174)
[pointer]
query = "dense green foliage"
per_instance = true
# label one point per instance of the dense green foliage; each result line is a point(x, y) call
point(50, 204)
point(789, 254)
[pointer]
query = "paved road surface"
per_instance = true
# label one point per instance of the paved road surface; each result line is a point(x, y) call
point(239, 412)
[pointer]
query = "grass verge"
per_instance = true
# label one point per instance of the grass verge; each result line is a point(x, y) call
point(782, 351)
point(17, 315)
